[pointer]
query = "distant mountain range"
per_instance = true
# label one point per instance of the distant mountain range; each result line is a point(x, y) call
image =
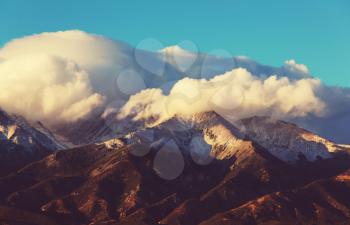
point(197, 169)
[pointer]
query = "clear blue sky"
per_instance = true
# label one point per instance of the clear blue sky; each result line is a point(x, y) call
point(314, 32)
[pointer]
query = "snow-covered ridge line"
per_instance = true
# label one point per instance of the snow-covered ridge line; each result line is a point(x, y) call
point(289, 142)
point(15, 130)
point(201, 131)
point(204, 134)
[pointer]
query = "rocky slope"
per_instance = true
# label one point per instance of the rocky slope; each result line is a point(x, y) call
point(324, 201)
point(22, 142)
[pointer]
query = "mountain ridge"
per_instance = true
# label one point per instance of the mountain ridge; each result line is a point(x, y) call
point(133, 179)
point(22, 142)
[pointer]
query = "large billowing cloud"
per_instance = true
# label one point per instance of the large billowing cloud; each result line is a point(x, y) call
point(50, 77)
point(101, 58)
point(235, 94)
point(46, 88)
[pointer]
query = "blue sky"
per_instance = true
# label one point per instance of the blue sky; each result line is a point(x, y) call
point(315, 33)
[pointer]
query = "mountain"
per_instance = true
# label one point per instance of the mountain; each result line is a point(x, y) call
point(186, 170)
point(287, 141)
point(85, 131)
point(22, 142)
point(324, 201)
point(93, 130)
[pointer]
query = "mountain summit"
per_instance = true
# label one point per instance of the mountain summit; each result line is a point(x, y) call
point(289, 142)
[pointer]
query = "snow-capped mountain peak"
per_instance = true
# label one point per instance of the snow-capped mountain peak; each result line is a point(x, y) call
point(15, 131)
point(287, 141)
point(201, 136)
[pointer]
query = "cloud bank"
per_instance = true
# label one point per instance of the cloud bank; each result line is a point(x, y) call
point(61, 77)
point(235, 94)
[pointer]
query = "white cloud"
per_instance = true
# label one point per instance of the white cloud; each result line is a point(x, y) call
point(292, 66)
point(100, 57)
point(46, 88)
point(89, 51)
point(235, 94)
point(60, 76)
